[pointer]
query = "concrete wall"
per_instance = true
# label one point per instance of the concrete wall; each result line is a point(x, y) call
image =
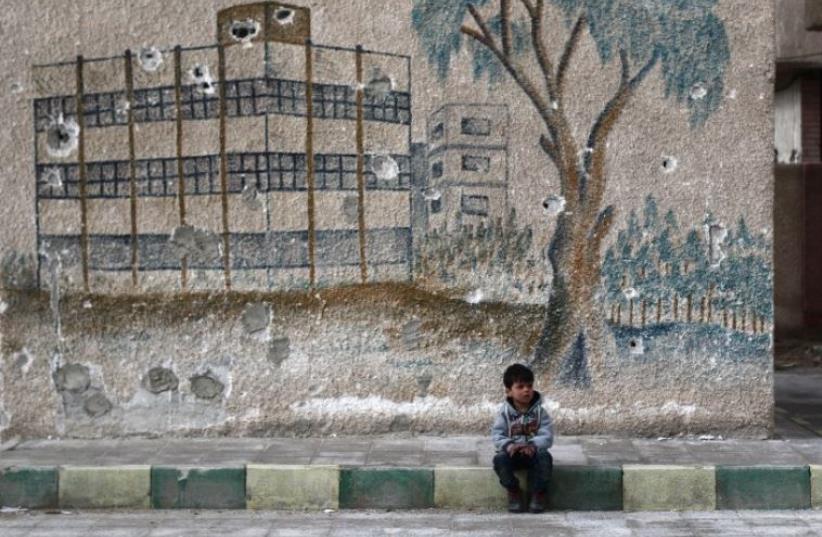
point(295, 279)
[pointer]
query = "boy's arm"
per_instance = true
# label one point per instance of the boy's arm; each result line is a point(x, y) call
point(499, 433)
point(544, 438)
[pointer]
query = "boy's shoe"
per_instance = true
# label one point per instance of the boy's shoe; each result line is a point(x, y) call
point(537, 502)
point(515, 500)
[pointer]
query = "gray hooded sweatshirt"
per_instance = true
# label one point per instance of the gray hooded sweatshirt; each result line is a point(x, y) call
point(534, 426)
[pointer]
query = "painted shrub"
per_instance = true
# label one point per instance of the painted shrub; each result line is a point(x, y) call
point(684, 39)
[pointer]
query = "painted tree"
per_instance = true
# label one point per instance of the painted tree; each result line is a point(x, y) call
point(684, 38)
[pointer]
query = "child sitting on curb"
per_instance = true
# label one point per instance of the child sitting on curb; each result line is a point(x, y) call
point(522, 433)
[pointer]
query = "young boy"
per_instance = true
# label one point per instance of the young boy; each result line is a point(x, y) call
point(522, 433)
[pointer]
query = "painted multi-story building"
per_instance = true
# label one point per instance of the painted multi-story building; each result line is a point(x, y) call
point(263, 161)
point(468, 165)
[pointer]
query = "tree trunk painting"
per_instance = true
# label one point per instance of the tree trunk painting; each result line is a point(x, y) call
point(689, 43)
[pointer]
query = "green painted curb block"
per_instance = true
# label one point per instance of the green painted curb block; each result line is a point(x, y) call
point(197, 488)
point(270, 486)
point(386, 488)
point(763, 487)
point(103, 487)
point(586, 488)
point(29, 487)
point(652, 487)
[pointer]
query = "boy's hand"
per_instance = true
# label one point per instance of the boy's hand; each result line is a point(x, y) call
point(529, 450)
point(512, 449)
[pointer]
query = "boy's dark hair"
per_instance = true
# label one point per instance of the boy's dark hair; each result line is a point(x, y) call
point(517, 373)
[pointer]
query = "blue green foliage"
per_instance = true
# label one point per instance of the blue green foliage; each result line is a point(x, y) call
point(661, 341)
point(438, 23)
point(659, 260)
point(685, 36)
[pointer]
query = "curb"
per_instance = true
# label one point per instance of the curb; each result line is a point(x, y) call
point(629, 487)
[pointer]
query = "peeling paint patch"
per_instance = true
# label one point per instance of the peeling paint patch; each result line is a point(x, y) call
point(251, 198)
point(97, 405)
point(256, 317)
point(196, 242)
point(74, 378)
point(4, 307)
point(160, 379)
point(206, 386)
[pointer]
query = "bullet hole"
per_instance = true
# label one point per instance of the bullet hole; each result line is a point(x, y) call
point(698, 91)
point(630, 293)
point(278, 350)
point(72, 378)
point(669, 164)
point(53, 177)
point(150, 59)
point(160, 379)
point(201, 244)
point(16, 87)
point(284, 16)
point(432, 194)
point(121, 109)
point(201, 79)
point(379, 87)
point(256, 317)
point(97, 405)
point(636, 346)
point(251, 198)
point(244, 31)
point(206, 386)
point(62, 137)
point(475, 297)
point(385, 168)
point(351, 209)
point(554, 205)
point(717, 233)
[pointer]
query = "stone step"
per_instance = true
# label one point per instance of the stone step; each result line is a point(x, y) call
point(629, 487)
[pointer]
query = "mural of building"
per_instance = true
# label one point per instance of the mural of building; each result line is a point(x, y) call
point(180, 162)
point(329, 217)
point(468, 165)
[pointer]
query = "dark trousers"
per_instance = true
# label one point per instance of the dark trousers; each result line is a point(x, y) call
point(539, 469)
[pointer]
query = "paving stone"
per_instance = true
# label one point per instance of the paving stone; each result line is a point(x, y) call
point(763, 487)
point(292, 487)
point(586, 488)
point(197, 488)
point(467, 488)
point(668, 488)
point(88, 487)
point(29, 487)
point(386, 488)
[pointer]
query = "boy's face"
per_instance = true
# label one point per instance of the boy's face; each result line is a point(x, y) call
point(521, 392)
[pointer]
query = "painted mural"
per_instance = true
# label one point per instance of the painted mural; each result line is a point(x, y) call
point(268, 165)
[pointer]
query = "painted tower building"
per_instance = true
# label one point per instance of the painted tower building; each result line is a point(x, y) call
point(468, 165)
point(231, 165)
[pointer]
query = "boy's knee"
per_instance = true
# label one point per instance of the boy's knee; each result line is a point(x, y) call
point(501, 458)
point(544, 455)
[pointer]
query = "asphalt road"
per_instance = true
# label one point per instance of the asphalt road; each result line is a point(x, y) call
point(408, 524)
